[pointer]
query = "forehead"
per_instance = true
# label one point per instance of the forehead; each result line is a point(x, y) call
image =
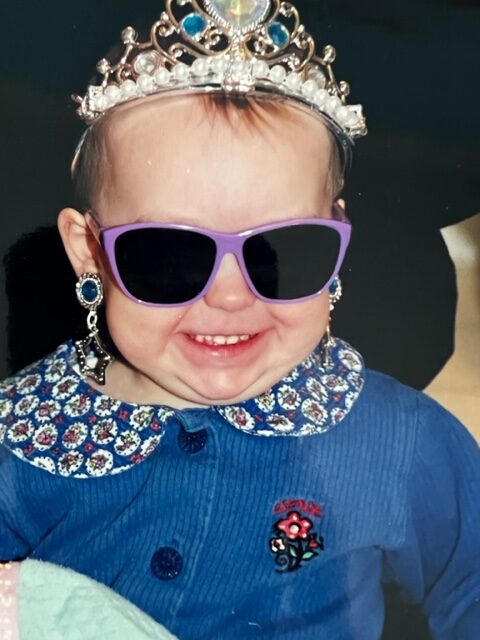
point(186, 158)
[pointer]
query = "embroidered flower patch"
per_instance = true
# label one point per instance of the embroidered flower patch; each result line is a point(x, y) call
point(294, 542)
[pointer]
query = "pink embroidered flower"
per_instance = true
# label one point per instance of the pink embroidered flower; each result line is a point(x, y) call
point(294, 526)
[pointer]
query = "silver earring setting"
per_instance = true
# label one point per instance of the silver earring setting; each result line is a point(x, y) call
point(335, 293)
point(92, 356)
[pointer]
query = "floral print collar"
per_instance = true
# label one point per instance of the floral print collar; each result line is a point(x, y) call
point(312, 399)
point(52, 418)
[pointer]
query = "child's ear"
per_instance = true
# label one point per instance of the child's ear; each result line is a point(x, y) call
point(78, 241)
point(341, 203)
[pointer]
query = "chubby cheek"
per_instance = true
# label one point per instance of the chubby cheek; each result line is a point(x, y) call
point(303, 323)
point(139, 332)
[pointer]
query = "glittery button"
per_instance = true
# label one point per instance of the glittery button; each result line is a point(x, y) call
point(166, 563)
point(192, 442)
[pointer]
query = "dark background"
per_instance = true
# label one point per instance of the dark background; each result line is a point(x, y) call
point(414, 67)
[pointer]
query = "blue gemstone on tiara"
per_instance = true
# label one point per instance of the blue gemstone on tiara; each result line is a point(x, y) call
point(278, 34)
point(193, 24)
point(90, 290)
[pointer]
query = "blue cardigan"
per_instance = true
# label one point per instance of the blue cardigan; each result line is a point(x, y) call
point(280, 517)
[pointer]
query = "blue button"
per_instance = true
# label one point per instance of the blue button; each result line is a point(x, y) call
point(166, 563)
point(191, 442)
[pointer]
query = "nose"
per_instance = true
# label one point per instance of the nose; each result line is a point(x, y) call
point(229, 290)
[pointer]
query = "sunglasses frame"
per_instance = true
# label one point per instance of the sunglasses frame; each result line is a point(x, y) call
point(225, 243)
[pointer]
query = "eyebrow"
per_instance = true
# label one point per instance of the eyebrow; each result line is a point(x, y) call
point(175, 219)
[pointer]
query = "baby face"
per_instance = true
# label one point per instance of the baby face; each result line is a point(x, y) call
point(171, 161)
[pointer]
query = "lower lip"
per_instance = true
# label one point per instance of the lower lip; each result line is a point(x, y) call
point(201, 352)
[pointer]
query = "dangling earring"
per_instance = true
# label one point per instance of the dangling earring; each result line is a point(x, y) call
point(93, 358)
point(335, 293)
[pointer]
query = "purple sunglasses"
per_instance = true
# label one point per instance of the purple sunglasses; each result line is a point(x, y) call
point(170, 265)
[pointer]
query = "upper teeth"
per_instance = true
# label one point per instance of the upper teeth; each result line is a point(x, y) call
point(221, 339)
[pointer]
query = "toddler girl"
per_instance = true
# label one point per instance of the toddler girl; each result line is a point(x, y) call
point(231, 469)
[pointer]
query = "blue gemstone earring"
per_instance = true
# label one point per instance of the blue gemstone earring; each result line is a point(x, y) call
point(93, 358)
point(335, 293)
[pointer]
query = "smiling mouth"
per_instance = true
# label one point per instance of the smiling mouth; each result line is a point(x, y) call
point(221, 340)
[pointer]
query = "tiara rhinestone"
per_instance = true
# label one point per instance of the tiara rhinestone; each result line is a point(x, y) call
point(240, 15)
point(242, 46)
point(193, 25)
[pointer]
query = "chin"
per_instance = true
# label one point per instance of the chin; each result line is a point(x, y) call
point(219, 397)
point(220, 394)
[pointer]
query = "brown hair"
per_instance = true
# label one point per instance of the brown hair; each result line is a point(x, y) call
point(87, 171)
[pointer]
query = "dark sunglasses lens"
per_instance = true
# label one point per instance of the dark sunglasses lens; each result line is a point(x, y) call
point(164, 266)
point(292, 262)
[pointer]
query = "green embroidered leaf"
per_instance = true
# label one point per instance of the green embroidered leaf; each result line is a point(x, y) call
point(292, 551)
point(308, 554)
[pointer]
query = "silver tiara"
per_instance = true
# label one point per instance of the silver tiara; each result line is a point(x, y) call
point(249, 47)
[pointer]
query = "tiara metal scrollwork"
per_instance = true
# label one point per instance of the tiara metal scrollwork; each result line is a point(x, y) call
point(240, 46)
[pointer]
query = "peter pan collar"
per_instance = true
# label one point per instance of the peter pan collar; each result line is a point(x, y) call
point(52, 418)
point(312, 399)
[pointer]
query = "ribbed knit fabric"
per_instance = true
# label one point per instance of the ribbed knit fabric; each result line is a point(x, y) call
point(393, 490)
